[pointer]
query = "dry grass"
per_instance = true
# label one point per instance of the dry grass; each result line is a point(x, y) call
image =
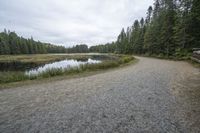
point(37, 58)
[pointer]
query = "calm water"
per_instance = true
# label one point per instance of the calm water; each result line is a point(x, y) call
point(64, 64)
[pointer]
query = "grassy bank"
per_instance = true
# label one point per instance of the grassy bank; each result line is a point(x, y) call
point(38, 58)
point(25, 62)
point(43, 58)
point(115, 61)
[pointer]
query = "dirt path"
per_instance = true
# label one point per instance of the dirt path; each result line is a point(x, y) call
point(151, 96)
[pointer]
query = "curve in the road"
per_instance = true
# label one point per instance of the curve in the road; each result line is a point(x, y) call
point(146, 97)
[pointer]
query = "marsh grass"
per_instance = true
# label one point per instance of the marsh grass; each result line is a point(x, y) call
point(8, 77)
point(46, 58)
point(37, 59)
point(24, 62)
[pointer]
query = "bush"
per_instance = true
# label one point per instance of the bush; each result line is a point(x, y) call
point(126, 59)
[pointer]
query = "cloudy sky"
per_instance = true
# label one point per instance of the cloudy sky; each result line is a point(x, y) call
point(70, 22)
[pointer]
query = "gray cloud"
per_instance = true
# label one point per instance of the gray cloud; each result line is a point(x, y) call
point(69, 22)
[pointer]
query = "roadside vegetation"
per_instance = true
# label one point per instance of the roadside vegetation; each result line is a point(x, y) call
point(194, 63)
point(108, 61)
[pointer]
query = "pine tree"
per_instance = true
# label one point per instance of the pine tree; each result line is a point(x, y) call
point(121, 42)
point(149, 15)
point(167, 30)
point(136, 36)
point(194, 27)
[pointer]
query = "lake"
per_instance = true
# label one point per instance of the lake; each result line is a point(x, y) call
point(34, 69)
point(64, 64)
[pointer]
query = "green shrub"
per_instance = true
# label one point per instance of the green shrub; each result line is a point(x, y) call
point(126, 59)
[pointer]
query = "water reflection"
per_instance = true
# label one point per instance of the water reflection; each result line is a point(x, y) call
point(64, 64)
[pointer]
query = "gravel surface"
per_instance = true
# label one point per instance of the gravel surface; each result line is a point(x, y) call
point(151, 96)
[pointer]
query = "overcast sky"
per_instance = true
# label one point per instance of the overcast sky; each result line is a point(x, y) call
point(70, 22)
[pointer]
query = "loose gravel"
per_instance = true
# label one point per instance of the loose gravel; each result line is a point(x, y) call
point(153, 96)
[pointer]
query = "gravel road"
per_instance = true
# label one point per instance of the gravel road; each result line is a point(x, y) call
point(153, 95)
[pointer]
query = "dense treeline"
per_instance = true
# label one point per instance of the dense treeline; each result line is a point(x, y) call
point(107, 48)
point(82, 48)
point(11, 43)
point(171, 28)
